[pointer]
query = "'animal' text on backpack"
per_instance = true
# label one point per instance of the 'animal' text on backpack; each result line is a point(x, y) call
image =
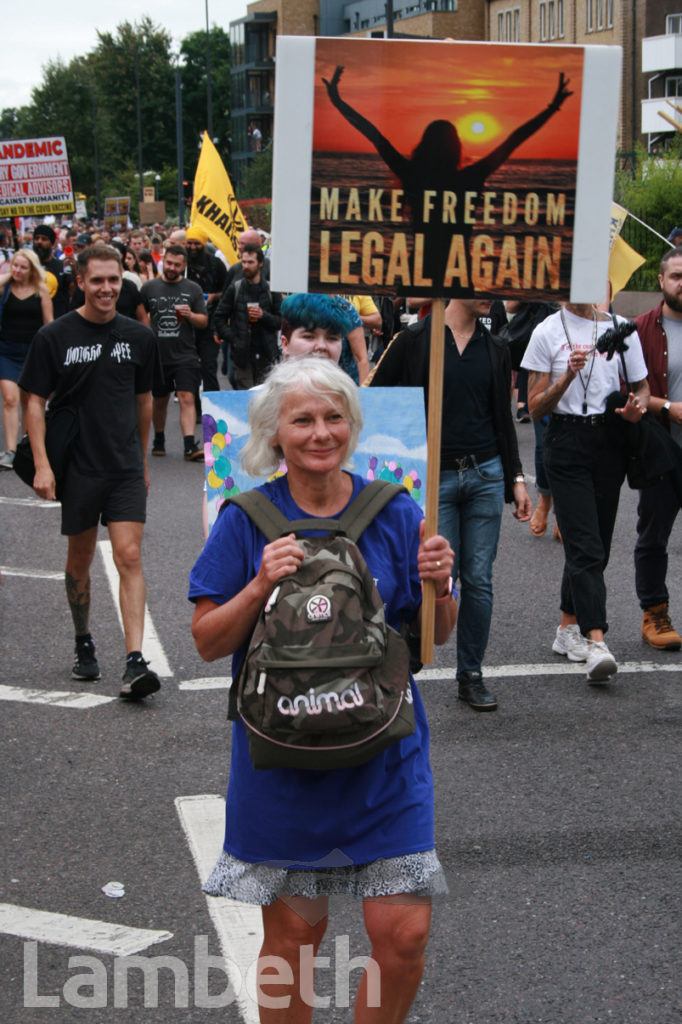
point(325, 682)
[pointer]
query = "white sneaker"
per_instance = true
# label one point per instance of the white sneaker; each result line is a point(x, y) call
point(600, 662)
point(571, 642)
point(6, 460)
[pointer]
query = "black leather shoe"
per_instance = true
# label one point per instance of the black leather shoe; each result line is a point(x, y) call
point(473, 691)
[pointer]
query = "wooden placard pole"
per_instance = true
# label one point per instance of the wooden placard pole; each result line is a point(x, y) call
point(433, 434)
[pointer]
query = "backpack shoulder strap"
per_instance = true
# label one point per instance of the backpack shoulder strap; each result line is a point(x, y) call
point(270, 521)
point(368, 504)
point(357, 517)
point(261, 511)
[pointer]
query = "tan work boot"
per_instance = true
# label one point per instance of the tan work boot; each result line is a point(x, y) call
point(658, 631)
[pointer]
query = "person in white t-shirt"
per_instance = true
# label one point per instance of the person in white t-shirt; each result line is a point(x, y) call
point(571, 380)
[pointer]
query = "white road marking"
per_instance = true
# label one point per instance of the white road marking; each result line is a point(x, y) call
point(151, 645)
point(81, 932)
point(210, 683)
point(32, 574)
point(34, 502)
point(60, 698)
point(551, 668)
point(558, 668)
point(239, 925)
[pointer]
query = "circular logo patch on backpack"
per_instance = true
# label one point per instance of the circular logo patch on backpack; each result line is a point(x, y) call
point(318, 608)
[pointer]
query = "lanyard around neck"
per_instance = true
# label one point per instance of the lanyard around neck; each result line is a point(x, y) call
point(585, 383)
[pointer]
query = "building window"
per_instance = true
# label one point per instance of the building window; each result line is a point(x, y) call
point(551, 19)
point(673, 24)
point(589, 9)
point(600, 14)
point(673, 86)
point(609, 13)
point(508, 23)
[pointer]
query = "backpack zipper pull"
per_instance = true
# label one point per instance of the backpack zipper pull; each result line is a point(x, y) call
point(271, 600)
point(260, 689)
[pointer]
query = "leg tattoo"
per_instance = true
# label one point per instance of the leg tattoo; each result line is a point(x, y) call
point(78, 595)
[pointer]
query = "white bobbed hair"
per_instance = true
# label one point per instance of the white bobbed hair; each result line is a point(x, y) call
point(312, 376)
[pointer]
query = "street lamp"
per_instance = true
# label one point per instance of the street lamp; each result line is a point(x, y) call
point(209, 98)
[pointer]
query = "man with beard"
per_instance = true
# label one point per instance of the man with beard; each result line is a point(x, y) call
point(660, 332)
point(44, 239)
point(210, 274)
point(177, 309)
point(248, 319)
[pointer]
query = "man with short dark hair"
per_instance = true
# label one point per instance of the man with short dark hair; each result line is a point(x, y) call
point(106, 475)
point(44, 239)
point(660, 331)
point(248, 319)
point(176, 307)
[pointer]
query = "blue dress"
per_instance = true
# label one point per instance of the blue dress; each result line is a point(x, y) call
point(350, 829)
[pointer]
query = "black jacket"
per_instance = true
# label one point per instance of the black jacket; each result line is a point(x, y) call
point(231, 323)
point(406, 364)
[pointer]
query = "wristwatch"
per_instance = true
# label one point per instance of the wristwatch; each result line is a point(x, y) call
point(665, 410)
point(519, 478)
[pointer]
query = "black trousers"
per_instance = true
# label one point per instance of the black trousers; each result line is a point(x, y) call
point(585, 472)
point(657, 512)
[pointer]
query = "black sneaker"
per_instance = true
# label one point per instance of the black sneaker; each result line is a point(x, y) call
point(138, 680)
point(159, 446)
point(472, 691)
point(193, 453)
point(86, 666)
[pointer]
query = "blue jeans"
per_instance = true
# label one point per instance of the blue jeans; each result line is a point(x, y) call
point(470, 504)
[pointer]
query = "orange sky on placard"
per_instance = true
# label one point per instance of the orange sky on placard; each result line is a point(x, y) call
point(486, 90)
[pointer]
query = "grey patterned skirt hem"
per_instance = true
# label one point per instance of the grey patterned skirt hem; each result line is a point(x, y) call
point(262, 884)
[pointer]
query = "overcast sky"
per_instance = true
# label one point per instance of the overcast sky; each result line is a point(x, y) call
point(36, 31)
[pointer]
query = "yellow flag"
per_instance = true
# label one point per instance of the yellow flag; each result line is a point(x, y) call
point(623, 262)
point(215, 207)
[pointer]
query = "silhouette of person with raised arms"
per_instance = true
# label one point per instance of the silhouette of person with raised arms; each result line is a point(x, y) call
point(435, 165)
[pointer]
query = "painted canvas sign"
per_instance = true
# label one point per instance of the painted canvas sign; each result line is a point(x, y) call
point(443, 169)
point(392, 444)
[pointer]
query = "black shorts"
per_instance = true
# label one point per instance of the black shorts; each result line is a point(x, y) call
point(87, 500)
point(177, 377)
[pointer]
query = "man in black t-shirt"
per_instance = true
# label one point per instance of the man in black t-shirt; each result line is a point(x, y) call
point(177, 309)
point(106, 476)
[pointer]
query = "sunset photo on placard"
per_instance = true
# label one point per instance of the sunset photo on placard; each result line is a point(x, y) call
point(444, 169)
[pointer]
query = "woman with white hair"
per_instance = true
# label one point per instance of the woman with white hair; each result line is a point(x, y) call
point(26, 305)
point(294, 837)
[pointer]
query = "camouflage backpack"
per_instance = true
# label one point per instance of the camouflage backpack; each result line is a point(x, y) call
point(325, 682)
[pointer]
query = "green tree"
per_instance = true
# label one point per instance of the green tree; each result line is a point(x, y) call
point(64, 104)
point(258, 180)
point(136, 53)
point(194, 96)
point(654, 195)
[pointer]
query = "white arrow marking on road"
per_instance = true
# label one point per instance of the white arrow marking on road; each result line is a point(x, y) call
point(239, 925)
point(81, 932)
point(151, 645)
point(60, 698)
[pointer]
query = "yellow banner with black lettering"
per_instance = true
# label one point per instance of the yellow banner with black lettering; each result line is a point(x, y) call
point(214, 207)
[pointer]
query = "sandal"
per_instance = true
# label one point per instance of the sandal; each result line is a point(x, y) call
point(538, 521)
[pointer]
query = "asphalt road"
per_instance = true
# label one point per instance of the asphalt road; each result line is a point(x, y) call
point(557, 817)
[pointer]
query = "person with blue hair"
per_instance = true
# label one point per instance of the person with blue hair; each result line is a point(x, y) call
point(316, 324)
